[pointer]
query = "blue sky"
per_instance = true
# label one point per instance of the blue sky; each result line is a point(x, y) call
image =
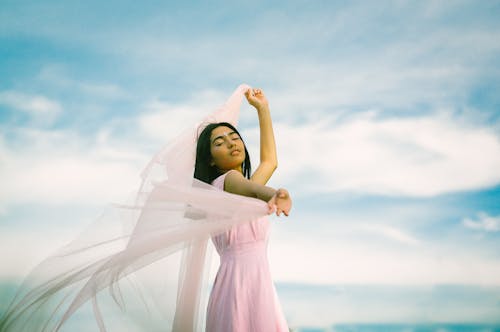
point(386, 116)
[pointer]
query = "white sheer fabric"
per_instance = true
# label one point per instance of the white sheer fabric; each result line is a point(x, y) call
point(171, 213)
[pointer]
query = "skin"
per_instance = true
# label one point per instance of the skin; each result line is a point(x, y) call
point(227, 149)
point(228, 154)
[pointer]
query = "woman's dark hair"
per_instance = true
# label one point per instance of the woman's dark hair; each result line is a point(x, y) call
point(205, 172)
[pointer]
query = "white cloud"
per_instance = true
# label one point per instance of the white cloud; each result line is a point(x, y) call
point(163, 120)
point(37, 244)
point(400, 75)
point(484, 222)
point(57, 76)
point(344, 255)
point(416, 66)
point(63, 167)
point(41, 108)
point(59, 167)
point(414, 156)
point(3, 211)
point(390, 233)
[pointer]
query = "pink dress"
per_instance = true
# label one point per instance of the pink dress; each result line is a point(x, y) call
point(243, 297)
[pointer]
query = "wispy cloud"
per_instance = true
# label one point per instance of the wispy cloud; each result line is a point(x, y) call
point(483, 222)
point(390, 233)
point(60, 167)
point(319, 67)
point(39, 107)
point(414, 156)
point(342, 259)
point(164, 120)
point(56, 76)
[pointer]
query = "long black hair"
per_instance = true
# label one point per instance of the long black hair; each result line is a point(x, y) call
point(205, 172)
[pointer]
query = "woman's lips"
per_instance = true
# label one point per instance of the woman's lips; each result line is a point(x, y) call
point(235, 152)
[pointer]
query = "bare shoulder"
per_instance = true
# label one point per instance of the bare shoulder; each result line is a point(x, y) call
point(236, 183)
point(232, 178)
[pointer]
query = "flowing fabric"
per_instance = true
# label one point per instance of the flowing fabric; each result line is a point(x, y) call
point(172, 214)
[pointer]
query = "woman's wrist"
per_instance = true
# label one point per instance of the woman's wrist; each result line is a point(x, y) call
point(266, 193)
point(281, 193)
point(262, 108)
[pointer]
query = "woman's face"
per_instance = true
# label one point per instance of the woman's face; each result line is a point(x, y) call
point(227, 149)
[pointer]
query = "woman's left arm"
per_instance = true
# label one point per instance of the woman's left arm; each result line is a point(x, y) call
point(268, 157)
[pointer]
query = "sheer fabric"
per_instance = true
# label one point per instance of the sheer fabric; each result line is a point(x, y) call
point(171, 214)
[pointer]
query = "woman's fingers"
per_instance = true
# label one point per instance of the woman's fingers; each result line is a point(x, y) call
point(280, 203)
point(271, 207)
point(249, 93)
point(253, 92)
point(256, 97)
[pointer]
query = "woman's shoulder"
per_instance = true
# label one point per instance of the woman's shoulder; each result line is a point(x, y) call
point(219, 181)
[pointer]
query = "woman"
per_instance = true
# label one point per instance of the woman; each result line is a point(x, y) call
point(172, 213)
point(243, 297)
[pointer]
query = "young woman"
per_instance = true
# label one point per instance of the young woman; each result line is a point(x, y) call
point(243, 297)
point(172, 213)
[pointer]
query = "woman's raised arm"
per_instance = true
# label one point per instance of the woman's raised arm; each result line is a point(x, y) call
point(268, 157)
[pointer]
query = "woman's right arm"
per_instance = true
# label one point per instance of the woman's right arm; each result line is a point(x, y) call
point(278, 200)
point(268, 156)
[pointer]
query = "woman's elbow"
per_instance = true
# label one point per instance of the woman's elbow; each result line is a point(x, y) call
point(272, 165)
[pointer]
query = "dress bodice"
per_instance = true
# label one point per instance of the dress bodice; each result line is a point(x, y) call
point(244, 237)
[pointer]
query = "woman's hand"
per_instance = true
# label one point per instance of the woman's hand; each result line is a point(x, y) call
point(256, 98)
point(280, 202)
